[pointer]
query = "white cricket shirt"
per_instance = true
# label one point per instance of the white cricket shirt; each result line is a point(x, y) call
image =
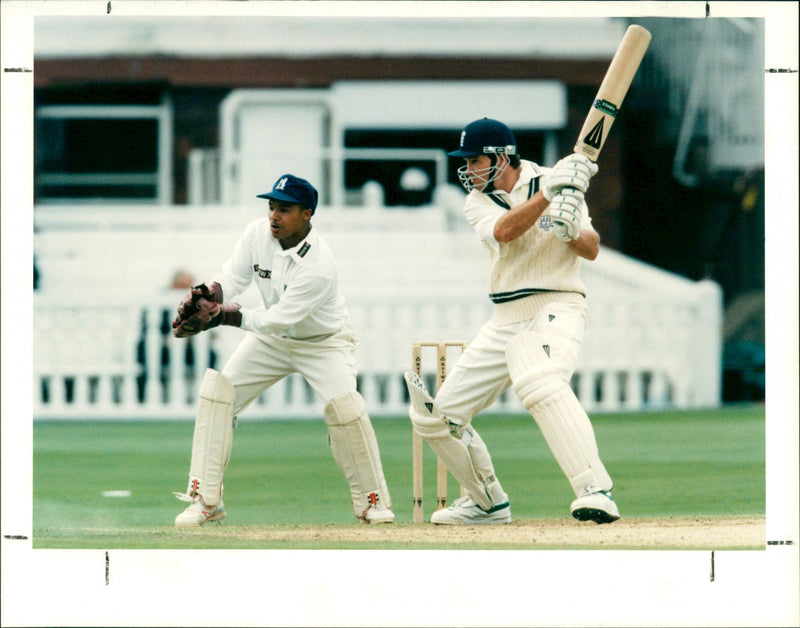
point(299, 286)
point(538, 259)
point(536, 262)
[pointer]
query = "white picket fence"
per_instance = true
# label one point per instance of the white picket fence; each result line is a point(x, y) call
point(103, 347)
point(118, 361)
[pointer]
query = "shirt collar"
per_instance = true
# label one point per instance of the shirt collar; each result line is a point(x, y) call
point(529, 171)
point(302, 248)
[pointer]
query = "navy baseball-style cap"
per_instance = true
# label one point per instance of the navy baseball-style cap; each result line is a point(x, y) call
point(485, 137)
point(292, 189)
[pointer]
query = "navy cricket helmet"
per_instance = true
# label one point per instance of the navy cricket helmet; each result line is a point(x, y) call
point(485, 137)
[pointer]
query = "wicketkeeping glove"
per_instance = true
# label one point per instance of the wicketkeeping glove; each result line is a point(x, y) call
point(573, 171)
point(566, 213)
point(208, 316)
point(187, 323)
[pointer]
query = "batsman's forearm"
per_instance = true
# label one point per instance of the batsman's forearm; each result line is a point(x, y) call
point(517, 220)
point(587, 245)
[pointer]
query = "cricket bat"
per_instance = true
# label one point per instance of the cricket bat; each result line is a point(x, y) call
point(612, 91)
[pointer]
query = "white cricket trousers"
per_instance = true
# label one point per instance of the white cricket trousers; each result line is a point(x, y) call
point(328, 365)
point(480, 375)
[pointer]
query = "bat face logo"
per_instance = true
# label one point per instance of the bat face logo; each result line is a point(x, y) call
point(545, 223)
point(594, 138)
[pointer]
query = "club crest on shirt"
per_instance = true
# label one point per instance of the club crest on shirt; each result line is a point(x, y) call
point(545, 223)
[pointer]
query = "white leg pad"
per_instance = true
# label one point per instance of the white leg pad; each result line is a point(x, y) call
point(355, 450)
point(540, 378)
point(459, 446)
point(213, 437)
point(484, 467)
point(456, 455)
point(421, 401)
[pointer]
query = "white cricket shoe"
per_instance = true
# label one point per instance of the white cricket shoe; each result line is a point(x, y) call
point(596, 505)
point(464, 511)
point(378, 513)
point(197, 513)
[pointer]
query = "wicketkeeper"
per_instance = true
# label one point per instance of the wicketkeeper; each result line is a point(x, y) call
point(301, 326)
point(535, 226)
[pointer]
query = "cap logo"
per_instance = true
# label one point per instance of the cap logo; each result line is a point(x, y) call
point(281, 184)
point(463, 137)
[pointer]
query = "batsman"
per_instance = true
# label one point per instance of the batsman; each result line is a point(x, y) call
point(300, 326)
point(535, 225)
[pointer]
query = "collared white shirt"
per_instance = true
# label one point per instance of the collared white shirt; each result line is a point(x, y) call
point(299, 287)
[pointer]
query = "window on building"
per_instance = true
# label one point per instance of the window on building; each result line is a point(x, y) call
point(104, 153)
point(389, 173)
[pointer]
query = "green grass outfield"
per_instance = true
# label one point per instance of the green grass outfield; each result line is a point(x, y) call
point(664, 464)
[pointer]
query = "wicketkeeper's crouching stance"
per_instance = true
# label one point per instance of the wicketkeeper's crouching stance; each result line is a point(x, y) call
point(301, 327)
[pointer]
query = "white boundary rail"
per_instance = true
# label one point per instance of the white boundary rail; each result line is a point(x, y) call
point(118, 362)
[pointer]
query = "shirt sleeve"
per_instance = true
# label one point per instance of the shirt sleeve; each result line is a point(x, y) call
point(301, 298)
point(482, 217)
point(237, 272)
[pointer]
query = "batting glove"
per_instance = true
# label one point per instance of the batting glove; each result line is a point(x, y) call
point(572, 172)
point(566, 213)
